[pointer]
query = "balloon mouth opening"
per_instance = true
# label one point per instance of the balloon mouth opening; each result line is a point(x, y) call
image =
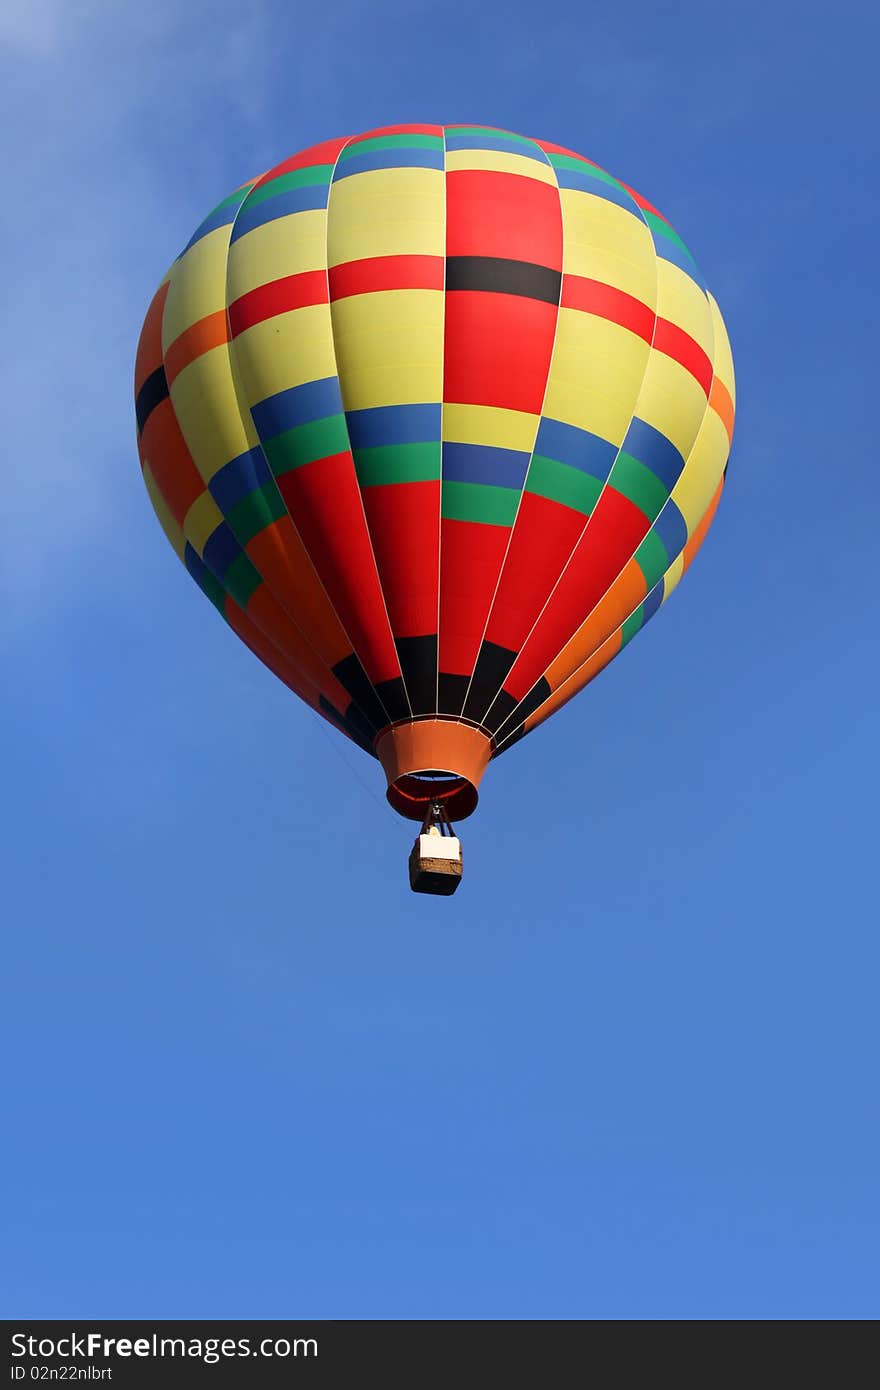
point(413, 794)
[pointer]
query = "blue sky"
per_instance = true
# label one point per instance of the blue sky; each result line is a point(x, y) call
point(630, 1070)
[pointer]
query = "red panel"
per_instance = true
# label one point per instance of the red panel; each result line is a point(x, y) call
point(386, 273)
point(149, 350)
point(543, 538)
point(277, 297)
point(163, 447)
point(606, 302)
point(400, 130)
point(613, 534)
point(471, 556)
point(325, 153)
point(510, 215)
point(325, 505)
point(675, 343)
point(404, 524)
point(497, 350)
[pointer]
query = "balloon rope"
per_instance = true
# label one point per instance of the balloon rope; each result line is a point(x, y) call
point(338, 750)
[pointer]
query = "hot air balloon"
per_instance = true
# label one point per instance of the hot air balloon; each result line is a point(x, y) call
point(436, 417)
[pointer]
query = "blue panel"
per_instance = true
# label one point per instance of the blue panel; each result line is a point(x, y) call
point(398, 158)
point(578, 448)
point(587, 183)
point(221, 548)
point(493, 141)
point(238, 478)
point(655, 451)
point(196, 566)
point(309, 199)
point(670, 250)
point(480, 463)
point(298, 405)
point(671, 527)
point(652, 602)
point(393, 424)
point(220, 217)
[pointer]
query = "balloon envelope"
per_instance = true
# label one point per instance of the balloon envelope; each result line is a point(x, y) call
point(436, 417)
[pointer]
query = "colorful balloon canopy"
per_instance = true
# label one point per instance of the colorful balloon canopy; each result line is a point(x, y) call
point(437, 417)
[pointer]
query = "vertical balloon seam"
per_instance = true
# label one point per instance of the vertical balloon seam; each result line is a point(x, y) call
point(283, 659)
point(503, 739)
point(540, 417)
point(669, 500)
point(572, 677)
point(535, 721)
point(603, 487)
point(284, 662)
point(260, 445)
point(442, 402)
point(360, 494)
point(585, 619)
point(244, 409)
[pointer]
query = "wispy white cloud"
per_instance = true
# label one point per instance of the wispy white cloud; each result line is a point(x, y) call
point(111, 118)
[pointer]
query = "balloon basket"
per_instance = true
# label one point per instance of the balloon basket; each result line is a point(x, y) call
point(435, 861)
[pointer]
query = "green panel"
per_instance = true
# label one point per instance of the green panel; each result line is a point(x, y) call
point(212, 589)
point(632, 625)
point(315, 175)
point(241, 579)
point(639, 484)
point(565, 161)
point(652, 559)
point(477, 130)
point(663, 228)
point(392, 142)
point(254, 512)
point(495, 506)
point(318, 439)
point(398, 463)
point(237, 197)
point(562, 483)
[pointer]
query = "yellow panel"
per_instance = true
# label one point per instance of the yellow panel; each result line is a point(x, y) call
point(173, 532)
point(209, 413)
point(598, 264)
point(723, 358)
point(499, 162)
point(673, 575)
point(681, 300)
point(672, 401)
point(372, 386)
point(696, 487)
point(595, 375)
point(285, 246)
point(388, 312)
point(590, 221)
point(489, 424)
point(285, 351)
point(387, 212)
point(198, 285)
point(200, 522)
point(391, 341)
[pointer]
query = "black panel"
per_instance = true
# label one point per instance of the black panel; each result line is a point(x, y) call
point(360, 727)
point(536, 697)
point(418, 662)
point(353, 678)
point(151, 394)
point(518, 733)
point(490, 672)
point(346, 724)
point(393, 696)
point(451, 693)
point(498, 275)
point(502, 708)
